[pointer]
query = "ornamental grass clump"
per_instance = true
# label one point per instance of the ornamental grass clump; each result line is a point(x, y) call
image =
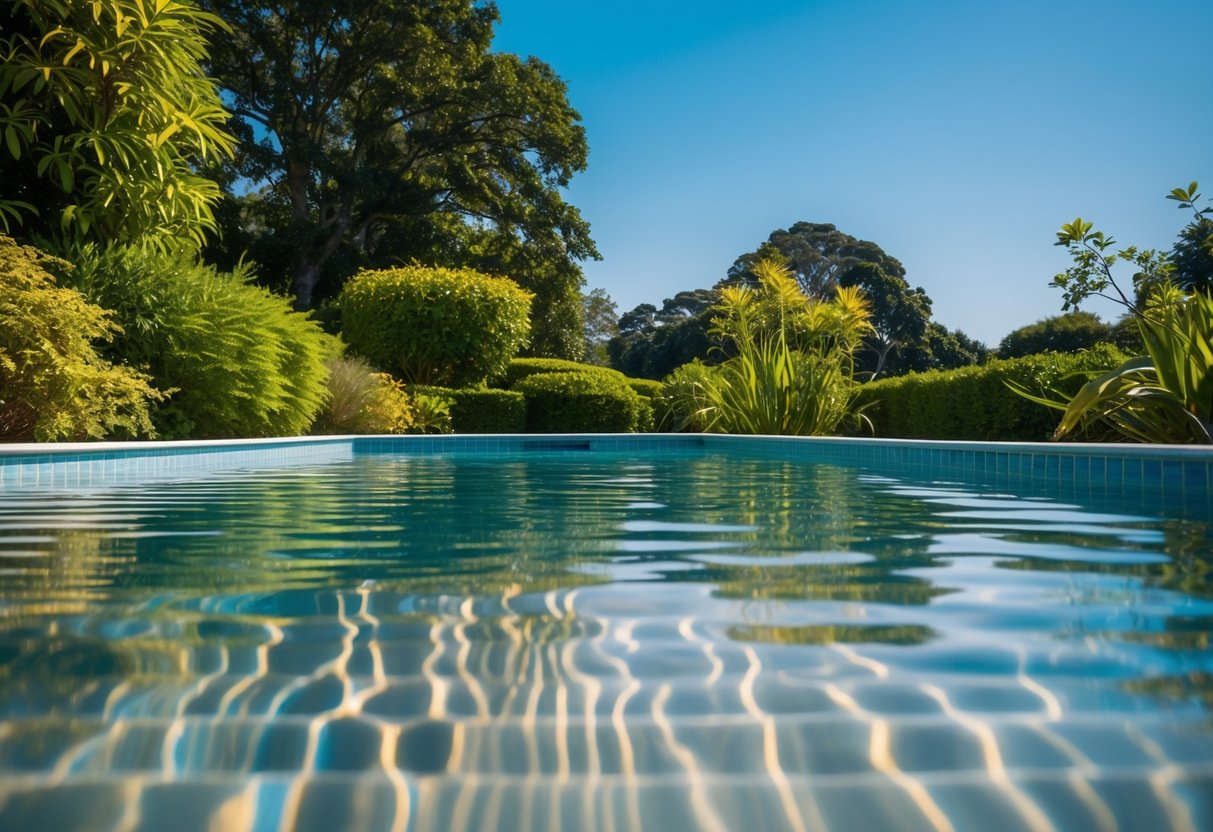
point(447, 327)
point(789, 362)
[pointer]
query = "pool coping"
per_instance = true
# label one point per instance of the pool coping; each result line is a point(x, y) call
point(1155, 472)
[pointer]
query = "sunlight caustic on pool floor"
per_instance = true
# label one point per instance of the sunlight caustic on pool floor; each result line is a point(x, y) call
point(601, 642)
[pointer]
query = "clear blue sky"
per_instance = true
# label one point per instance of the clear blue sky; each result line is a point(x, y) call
point(958, 136)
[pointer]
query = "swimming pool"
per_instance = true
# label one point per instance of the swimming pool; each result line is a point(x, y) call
point(606, 633)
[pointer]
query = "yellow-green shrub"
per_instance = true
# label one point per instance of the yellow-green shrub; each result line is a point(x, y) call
point(236, 359)
point(520, 368)
point(451, 327)
point(975, 402)
point(53, 384)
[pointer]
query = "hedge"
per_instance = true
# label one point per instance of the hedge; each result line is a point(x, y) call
point(480, 410)
point(451, 327)
point(581, 402)
point(646, 387)
point(974, 402)
point(520, 368)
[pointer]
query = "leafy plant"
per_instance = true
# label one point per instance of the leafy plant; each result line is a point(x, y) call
point(1167, 394)
point(104, 112)
point(239, 361)
point(452, 327)
point(431, 414)
point(53, 383)
point(792, 360)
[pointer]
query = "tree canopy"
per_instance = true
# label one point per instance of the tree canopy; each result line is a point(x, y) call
point(382, 132)
point(1070, 332)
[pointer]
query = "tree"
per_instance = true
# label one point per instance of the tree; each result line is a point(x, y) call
point(104, 111)
point(1070, 332)
point(359, 120)
point(940, 348)
point(1193, 255)
point(820, 258)
point(601, 318)
point(653, 342)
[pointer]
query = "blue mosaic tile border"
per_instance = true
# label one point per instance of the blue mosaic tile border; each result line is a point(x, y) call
point(95, 465)
point(1157, 473)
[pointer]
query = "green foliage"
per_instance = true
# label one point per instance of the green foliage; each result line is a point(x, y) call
point(1165, 396)
point(452, 327)
point(600, 319)
point(396, 132)
point(104, 111)
point(235, 358)
point(939, 349)
point(580, 402)
point(820, 258)
point(791, 371)
point(646, 387)
point(678, 407)
point(1192, 256)
point(481, 410)
point(1071, 332)
point(975, 403)
point(431, 414)
point(53, 383)
point(520, 368)
point(362, 401)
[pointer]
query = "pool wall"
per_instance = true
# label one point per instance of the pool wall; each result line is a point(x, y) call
point(1157, 472)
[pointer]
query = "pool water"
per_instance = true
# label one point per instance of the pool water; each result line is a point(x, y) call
point(601, 641)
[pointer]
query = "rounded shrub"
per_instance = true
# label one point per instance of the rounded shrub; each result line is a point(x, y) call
point(481, 410)
point(53, 383)
point(449, 327)
point(235, 359)
point(519, 368)
point(580, 402)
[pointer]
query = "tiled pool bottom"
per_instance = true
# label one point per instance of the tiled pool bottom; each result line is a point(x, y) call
point(675, 635)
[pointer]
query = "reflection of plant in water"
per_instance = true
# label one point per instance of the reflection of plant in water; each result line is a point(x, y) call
point(904, 634)
point(1197, 684)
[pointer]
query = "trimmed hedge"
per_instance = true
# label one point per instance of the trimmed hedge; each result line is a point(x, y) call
point(975, 403)
point(583, 402)
point(646, 387)
point(480, 410)
point(521, 368)
point(452, 327)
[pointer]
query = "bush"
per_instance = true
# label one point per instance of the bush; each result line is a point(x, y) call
point(520, 368)
point(236, 360)
point(675, 408)
point(581, 402)
point(647, 388)
point(360, 400)
point(479, 410)
point(53, 383)
point(975, 402)
point(453, 327)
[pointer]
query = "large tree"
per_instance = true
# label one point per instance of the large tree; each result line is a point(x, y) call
point(821, 257)
point(104, 114)
point(367, 127)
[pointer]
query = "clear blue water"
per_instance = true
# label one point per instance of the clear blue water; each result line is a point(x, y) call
point(587, 641)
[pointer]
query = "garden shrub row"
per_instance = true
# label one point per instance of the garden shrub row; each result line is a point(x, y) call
point(480, 410)
point(521, 368)
point(975, 403)
point(583, 402)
